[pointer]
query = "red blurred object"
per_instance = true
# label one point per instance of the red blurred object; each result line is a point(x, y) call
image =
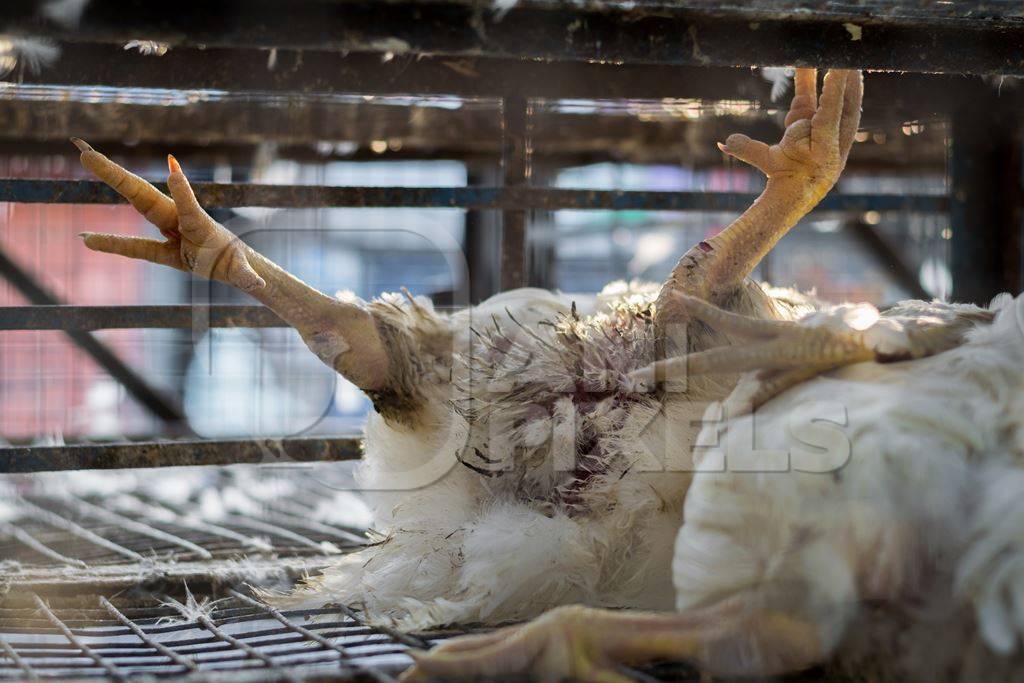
point(44, 378)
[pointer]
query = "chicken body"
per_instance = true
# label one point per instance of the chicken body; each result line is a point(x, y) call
point(540, 475)
point(876, 509)
point(880, 503)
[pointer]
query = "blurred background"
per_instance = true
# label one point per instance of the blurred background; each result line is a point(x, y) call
point(920, 211)
point(238, 382)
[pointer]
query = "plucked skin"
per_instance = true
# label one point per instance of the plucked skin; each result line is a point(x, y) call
point(504, 533)
point(827, 485)
point(508, 529)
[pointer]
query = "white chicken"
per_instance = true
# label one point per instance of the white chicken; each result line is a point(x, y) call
point(525, 454)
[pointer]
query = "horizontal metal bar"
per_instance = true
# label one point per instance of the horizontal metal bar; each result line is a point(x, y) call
point(85, 318)
point(969, 38)
point(29, 128)
point(511, 198)
point(148, 396)
point(298, 99)
point(303, 72)
point(21, 459)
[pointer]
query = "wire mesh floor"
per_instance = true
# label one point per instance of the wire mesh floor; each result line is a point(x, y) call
point(140, 527)
point(127, 574)
point(145, 573)
point(158, 634)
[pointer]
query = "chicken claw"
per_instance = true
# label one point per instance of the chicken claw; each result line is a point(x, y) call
point(194, 242)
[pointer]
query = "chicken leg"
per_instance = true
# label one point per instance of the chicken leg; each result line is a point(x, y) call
point(801, 169)
point(783, 353)
point(345, 335)
point(593, 645)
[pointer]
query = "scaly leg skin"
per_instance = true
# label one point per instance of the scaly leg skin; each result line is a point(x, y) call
point(801, 169)
point(344, 335)
point(593, 645)
point(784, 353)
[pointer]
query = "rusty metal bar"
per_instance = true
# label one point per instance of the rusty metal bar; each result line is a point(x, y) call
point(106, 665)
point(139, 388)
point(959, 37)
point(226, 195)
point(85, 318)
point(515, 160)
point(20, 459)
point(185, 662)
point(316, 74)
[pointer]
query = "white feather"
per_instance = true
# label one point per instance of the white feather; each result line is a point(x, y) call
point(780, 78)
point(32, 54)
point(892, 484)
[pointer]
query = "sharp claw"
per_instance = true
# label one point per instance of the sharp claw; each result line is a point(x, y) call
point(86, 238)
point(81, 144)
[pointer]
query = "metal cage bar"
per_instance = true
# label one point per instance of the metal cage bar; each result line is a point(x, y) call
point(186, 663)
point(18, 660)
point(515, 161)
point(168, 316)
point(963, 37)
point(101, 662)
point(23, 459)
point(141, 390)
point(130, 638)
point(225, 195)
point(343, 654)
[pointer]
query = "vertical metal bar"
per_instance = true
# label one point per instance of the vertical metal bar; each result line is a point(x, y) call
point(985, 169)
point(180, 660)
point(146, 395)
point(109, 667)
point(515, 159)
point(482, 243)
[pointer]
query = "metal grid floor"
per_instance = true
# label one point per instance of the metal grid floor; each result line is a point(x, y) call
point(128, 528)
point(158, 634)
point(122, 575)
point(138, 575)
